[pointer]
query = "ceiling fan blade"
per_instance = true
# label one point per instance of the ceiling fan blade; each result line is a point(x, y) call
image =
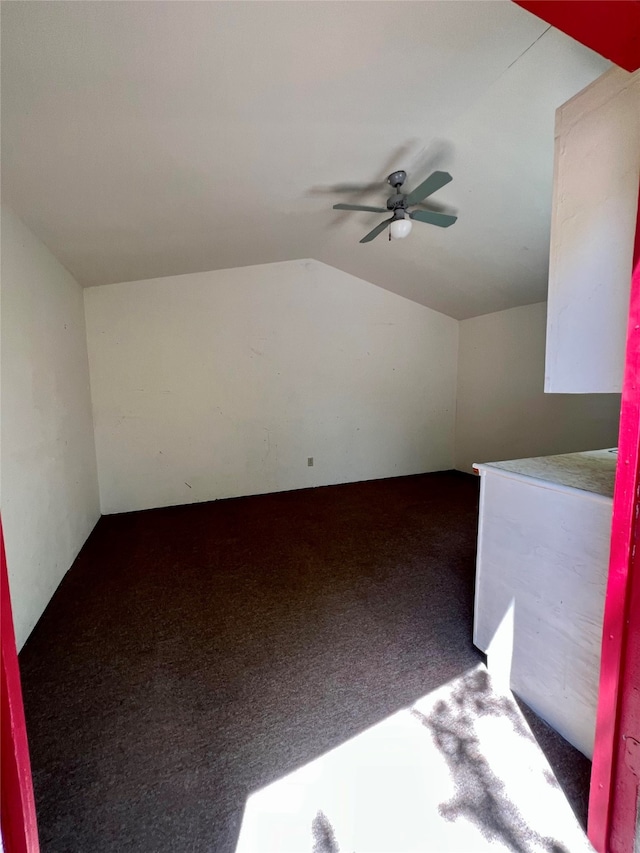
point(360, 207)
point(377, 230)
point(431, 217)
point(434, 182)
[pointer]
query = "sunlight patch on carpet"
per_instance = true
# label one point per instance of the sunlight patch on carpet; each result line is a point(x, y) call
point(459, 772)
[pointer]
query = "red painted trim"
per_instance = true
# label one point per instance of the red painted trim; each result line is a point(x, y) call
point(610, 27)
point(614, 778)
point(17, 806)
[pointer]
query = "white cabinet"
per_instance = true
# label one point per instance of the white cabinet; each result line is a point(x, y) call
point(543, 553)
point(595, 196)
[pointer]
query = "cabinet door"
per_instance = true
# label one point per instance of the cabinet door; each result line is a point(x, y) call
point(597, 163)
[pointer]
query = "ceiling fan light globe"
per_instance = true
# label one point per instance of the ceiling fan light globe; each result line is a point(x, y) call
point(400, 228)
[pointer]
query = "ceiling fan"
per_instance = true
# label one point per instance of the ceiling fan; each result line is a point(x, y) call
point(399, 203)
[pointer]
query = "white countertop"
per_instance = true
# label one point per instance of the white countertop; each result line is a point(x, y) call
point(591, 471)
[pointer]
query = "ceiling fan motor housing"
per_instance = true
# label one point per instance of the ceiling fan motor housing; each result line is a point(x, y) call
point(398, 201)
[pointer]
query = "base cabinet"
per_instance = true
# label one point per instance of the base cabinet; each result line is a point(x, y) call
point(540, 585)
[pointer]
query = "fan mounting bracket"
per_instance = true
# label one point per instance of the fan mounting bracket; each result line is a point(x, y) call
point(397, 179)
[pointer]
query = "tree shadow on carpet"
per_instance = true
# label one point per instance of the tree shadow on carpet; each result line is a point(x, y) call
point(481, 797)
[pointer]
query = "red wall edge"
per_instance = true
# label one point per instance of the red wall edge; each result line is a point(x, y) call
point(17, 806)
point(615, 772)
point(610, 27)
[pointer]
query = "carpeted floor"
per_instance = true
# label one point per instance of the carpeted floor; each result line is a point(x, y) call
point(195, 655)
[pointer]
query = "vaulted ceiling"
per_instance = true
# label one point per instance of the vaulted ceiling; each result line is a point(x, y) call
point(145, 139)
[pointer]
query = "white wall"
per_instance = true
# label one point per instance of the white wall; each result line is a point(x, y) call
point(49, 482)
point(502, 412)
point(218, 384)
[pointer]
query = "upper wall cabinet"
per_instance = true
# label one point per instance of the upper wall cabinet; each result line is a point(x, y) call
point(595, 203)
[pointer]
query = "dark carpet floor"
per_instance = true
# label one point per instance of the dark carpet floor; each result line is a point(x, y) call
point(193, 655)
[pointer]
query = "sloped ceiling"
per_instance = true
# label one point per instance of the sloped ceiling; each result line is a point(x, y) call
point(145, 139)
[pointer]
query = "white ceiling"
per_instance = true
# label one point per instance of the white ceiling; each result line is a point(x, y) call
point(144, 139)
